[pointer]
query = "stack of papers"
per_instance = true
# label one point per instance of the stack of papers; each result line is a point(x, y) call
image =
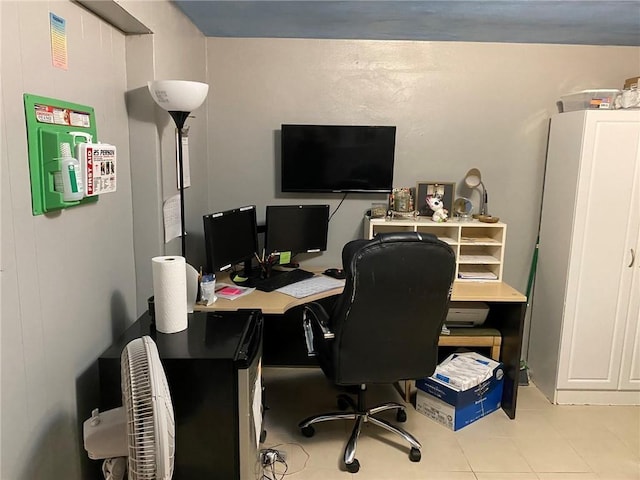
point(311, 286)
point(478, 275)
point(477, 259)
point(231, 292)
point(464, 370)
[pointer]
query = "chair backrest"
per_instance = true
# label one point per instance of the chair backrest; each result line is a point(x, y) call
point(390, 315)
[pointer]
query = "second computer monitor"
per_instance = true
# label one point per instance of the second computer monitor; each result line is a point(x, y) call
point(296, 228)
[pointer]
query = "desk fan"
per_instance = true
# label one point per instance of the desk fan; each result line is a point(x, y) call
point(143, 429)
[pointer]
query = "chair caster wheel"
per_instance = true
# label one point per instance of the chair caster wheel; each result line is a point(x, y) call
point(401, 416)
point(308, 431)
point(353, 467)
point(415, 455)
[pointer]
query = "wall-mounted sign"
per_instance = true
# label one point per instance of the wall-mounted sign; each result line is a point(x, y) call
point(58, 27)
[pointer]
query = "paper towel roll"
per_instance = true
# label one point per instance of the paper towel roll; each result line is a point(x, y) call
point(170, 293)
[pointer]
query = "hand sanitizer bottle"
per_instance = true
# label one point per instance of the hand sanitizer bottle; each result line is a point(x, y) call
point(68, 180)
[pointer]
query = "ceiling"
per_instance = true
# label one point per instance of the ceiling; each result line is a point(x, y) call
point(604, 22)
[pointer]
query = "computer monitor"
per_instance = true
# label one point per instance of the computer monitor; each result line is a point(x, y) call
point(231, 237)
point(296, 228)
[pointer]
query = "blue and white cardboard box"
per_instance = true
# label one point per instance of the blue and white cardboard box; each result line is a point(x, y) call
point(456, 409)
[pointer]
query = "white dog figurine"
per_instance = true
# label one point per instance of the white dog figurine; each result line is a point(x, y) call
point(440, 214)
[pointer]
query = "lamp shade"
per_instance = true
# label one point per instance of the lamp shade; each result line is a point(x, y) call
point(473, 178)
point(178, 95)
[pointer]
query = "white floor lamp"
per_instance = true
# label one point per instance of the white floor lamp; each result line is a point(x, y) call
point(179, 98)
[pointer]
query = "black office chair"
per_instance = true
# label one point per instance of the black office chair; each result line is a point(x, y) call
point(384, 327)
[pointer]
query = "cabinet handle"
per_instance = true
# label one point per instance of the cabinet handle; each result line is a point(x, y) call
point(633, 257)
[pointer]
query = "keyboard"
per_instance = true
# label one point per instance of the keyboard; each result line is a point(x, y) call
point(283, 279)
point(311, 286)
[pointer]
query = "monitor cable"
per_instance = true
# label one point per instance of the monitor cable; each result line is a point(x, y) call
point(334, 212)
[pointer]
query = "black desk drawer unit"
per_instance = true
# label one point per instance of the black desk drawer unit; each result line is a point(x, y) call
point(214, 373)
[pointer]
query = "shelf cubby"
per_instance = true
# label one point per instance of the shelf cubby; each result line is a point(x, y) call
point(478, 246)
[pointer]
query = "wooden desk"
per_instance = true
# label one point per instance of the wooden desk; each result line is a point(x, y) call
point(276, 303)
point(506, 313)
point(271, 303)
point(485, 292)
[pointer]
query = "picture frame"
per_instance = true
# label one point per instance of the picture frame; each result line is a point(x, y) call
point(445, 189)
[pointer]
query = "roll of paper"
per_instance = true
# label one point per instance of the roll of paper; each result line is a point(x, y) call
point(170, 293)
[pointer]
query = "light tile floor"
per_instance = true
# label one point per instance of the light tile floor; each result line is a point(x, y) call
point(544, 442)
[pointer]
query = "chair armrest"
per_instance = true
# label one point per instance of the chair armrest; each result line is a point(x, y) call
point(320, 315)
point(316, 312)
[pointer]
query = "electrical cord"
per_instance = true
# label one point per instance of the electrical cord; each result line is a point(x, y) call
point(334, 212)
point(306, 457)
point(270, 458)
point(270, 471)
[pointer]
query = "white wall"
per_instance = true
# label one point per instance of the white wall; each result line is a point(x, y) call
point(456, 106)
point(73, 281)
point(68, 280)
point(175, 51)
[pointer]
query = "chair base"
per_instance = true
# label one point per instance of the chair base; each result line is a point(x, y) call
point(361, 416)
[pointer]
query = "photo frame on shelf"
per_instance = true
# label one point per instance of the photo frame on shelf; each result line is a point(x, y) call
point(446, 191)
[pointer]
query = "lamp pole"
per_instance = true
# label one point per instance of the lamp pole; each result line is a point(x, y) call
point(179, 118)
point(179, 98)
point(485, 200)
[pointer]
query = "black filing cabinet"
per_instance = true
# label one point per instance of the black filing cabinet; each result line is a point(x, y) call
point(214, 373)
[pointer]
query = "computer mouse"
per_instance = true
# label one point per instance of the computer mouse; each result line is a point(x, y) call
point(335, 273)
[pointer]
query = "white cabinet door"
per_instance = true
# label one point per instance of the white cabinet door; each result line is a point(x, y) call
point(598, 288)
point(630, 369)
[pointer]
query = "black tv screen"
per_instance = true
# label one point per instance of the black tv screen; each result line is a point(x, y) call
point(337, 158)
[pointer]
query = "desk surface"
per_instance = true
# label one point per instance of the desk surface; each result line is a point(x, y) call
point(278, 303)
point(485, 292)
point(507, 304)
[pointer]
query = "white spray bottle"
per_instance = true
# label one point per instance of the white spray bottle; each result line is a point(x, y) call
point(68, 180)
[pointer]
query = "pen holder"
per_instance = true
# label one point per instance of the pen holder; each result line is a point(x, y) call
point(265, 269)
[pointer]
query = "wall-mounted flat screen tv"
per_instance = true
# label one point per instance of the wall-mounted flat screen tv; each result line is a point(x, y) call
point(337, 158)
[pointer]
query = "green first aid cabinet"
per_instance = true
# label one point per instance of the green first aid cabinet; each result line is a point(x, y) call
point(50, 124)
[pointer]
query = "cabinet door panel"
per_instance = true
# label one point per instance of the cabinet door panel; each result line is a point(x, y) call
point(630, 368)
point(599, 283)
point(630, 371)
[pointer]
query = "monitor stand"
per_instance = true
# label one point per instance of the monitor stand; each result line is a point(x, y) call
point(290, 265)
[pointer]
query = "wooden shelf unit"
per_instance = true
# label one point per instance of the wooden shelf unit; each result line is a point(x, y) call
point(479, 247)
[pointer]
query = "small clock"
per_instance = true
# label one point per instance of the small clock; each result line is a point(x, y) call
point(462, 208)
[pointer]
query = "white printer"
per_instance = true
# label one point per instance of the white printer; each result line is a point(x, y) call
point(466, 314)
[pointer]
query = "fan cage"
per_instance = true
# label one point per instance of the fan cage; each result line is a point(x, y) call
point(150, 421)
